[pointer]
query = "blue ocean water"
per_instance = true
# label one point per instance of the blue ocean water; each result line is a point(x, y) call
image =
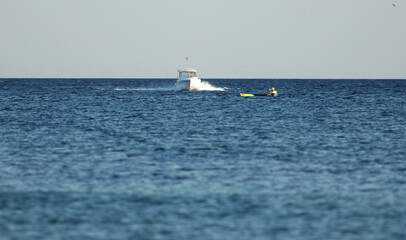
point(137, 159)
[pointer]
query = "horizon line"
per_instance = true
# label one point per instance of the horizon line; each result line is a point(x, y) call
point(216, 78)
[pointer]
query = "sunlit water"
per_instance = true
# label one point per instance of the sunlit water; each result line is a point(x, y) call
point(137, 159)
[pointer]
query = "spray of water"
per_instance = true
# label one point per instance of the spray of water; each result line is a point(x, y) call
point(205, 86)
point(146, 89)
point(202, 86)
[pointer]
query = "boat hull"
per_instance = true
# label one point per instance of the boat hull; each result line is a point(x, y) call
point(188, 84)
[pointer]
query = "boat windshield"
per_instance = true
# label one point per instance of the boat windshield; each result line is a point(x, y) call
point(187, 74)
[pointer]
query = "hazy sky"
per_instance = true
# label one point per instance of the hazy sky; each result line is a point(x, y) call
point(224, 39)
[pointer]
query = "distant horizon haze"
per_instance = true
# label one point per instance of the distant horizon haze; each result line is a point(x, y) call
point(259, 39)
point(211, 78)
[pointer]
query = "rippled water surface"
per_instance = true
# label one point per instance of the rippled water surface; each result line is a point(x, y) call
point(137, 159)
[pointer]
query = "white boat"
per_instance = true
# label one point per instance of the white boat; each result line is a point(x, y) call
point(188, 79)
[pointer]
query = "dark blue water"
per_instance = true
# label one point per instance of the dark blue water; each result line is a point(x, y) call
point(136, 159)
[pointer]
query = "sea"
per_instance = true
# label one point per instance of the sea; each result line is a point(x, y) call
point(139, 159)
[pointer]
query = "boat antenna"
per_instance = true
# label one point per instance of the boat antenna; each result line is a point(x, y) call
point(187, 61)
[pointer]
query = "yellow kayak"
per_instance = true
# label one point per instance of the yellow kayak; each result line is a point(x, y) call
point(246, 95)
point(258, 95)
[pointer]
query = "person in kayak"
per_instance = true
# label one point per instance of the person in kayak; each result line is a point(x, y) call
point(273, 92)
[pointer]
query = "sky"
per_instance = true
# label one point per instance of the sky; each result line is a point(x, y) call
point(223, 39)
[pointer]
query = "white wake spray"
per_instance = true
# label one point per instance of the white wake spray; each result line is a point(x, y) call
point(146, 89)
point(202, 86)
point(205, 86)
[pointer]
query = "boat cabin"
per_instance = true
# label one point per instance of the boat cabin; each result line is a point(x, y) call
point(187, 73)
